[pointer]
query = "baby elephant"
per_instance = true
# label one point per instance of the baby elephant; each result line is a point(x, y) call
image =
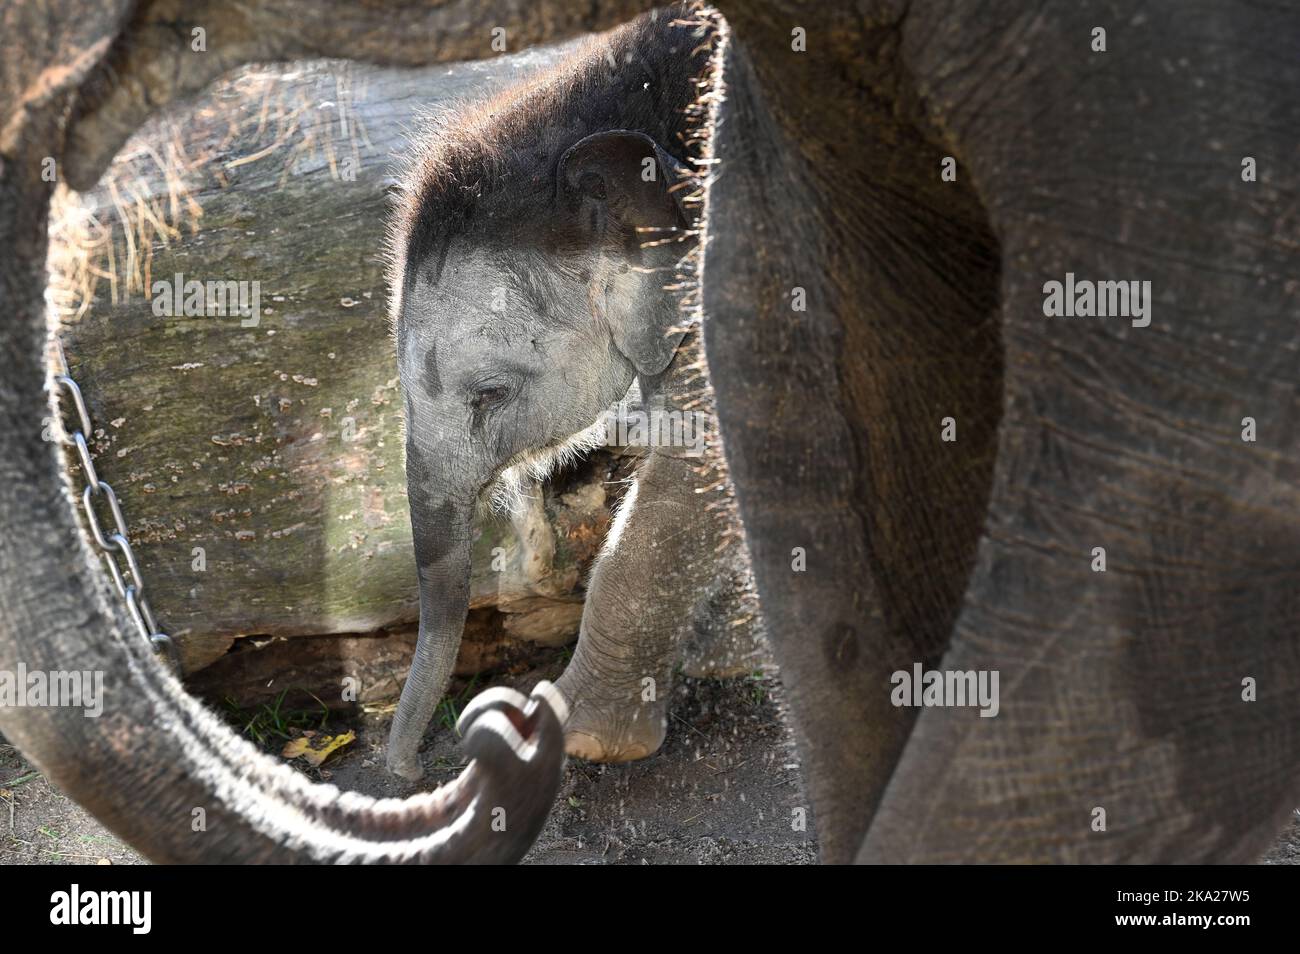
point(531, 262)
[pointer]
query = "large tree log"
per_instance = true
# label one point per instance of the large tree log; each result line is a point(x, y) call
point(258, 458)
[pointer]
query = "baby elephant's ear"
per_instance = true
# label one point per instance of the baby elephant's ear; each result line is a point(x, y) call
point(627, 191)
point(624, 179)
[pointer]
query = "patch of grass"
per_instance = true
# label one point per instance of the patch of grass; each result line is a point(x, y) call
point(99, 840)
point(21, 780)
point(449, 708)
point(756, 687)
point(266, 723)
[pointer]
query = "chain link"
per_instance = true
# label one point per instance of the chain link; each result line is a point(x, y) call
point(130, 584)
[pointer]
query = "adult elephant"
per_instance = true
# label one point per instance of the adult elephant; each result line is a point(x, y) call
point(1125, 690)
point(856, 297)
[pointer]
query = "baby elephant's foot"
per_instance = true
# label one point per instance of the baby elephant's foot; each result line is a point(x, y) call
point(603, 735)
point(622, 731)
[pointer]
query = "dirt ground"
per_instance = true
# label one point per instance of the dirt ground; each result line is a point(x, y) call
point(723, 790)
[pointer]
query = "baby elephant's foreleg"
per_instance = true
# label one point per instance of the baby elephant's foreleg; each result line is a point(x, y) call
point(639, 603)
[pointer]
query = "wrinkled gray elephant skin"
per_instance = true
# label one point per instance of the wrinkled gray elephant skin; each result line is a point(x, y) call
point(933, 456)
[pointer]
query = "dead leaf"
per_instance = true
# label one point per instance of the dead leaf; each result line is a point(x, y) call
point(314, 751)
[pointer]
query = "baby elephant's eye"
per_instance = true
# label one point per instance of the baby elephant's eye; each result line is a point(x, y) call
point(490, 396)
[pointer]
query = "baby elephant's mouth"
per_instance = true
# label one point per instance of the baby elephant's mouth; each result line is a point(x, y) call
point(505, 490)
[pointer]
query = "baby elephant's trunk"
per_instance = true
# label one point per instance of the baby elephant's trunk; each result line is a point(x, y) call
point(442, 550)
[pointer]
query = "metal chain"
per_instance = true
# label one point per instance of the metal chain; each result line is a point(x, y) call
point(130, 585)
